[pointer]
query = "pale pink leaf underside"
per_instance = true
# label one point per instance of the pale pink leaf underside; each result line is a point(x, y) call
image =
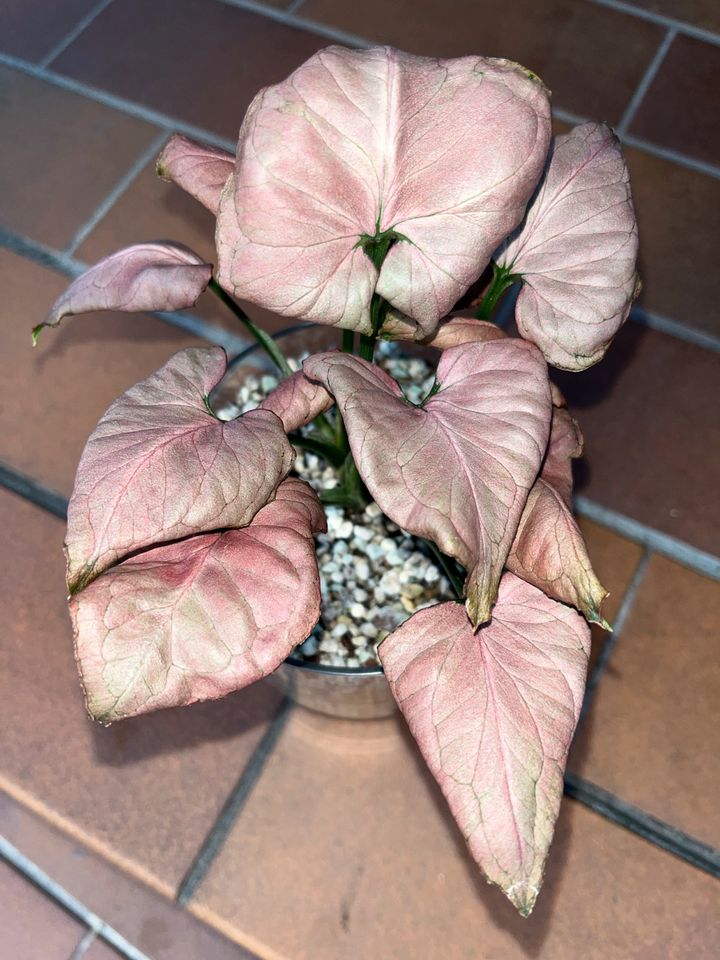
point(457, 470)
point(577, 250)
point(445, 152)
point(296, 401)
point(452, 332)
point(549, 550)
point(198, 168)
point(200, 618)
point(159, 466)
point(146, 276)
point(493, 713)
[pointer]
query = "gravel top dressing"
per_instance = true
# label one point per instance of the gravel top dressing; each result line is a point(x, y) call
point(373, 575)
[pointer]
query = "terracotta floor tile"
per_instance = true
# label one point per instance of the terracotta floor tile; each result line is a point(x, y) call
point(679, 220)
point(32, 927)
point(652, 735)
point(161, 929)
point(345, 852)
point(54, 395)
point(700, 13)
point(591, 58)
point(32, 30)
point(152, 209)
point(143, 792)
point(199, 60)
point(652, 435)
point(99, 950)
point(679, 110)
point(61, 156)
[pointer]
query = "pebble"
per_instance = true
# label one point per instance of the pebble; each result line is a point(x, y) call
point(373, 574)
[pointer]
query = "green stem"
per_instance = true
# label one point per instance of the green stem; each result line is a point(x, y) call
point(327, 450)
point(502, 279)
point(265, 341)
point(348, 341)
point(447, 564)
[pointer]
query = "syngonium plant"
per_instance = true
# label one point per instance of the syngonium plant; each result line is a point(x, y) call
point(370, 191)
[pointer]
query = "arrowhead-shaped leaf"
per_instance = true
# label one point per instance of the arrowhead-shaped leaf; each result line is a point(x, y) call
point(452, 332)
point(493, 713)
point(296, 401)
point(198, 168)
point(199, 618)
point(577, 250)
point(486, 427)
point(147, 276)
point(159, 466)
point(440, 155)
point(549, 550)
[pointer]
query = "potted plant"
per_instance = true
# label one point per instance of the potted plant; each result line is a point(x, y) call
point(371, 190)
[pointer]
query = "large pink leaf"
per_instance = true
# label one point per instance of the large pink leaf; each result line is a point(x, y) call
point(159, 466)
point(200, 169)
point(202, 617)
point(494, 713)
point(357, 143)
point(452, 332)
point(296, 401)
point(147, 276)
point(458, 469)
point(549, 550)
point(577, 250)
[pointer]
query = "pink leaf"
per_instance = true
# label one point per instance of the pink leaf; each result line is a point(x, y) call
point(577, 250)
point(452, 332)
point(202, 617)
point(549, 550)
point(458, 469)
point(493, 713)
point(198, 168)
point(296, 401)
point(357, 143)
point(159, 466)
point(147, 276)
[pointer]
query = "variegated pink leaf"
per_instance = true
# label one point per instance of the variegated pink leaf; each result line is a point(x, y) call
point(493, 713)
point(441, 155)
point(147, 276)
point(452, 332)
point(549, 550)
point(296, 401)
point(199, 618)
point(577, 250)
point(458, 469)
point(159, 466)
point(198, 168)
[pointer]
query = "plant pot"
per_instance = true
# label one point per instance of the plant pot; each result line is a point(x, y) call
point(354, 693)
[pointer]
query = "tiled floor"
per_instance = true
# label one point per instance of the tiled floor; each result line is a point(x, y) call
point(237, 829)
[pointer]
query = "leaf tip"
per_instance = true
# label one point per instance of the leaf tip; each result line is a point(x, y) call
point(522, 895)
point(36, 331)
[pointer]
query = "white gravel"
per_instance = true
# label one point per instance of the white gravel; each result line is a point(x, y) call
point(373, 574)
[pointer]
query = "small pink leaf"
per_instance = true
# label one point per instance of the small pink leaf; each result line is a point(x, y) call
point(442, 155)
point(202, 617)
point(452, 332)
point(577, 250)
point(296, 401)
point(549, 550)
point(493, 713)
point(159, 466)
point(198, 168)
point(487, 428)
point(147, 276)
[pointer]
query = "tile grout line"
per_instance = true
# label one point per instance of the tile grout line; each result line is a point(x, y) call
point(116, 193)
point(647, 78)
point(670, 23)
point(233, 806)
point(68, 266)
point(612, 640)
point(638, 821)
point(673, 328)
point(157, 118)
point(65, 899)
point(84, 945)
point(655, 540)
point(74, 33)
point(294, 7)
point(32, 490)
